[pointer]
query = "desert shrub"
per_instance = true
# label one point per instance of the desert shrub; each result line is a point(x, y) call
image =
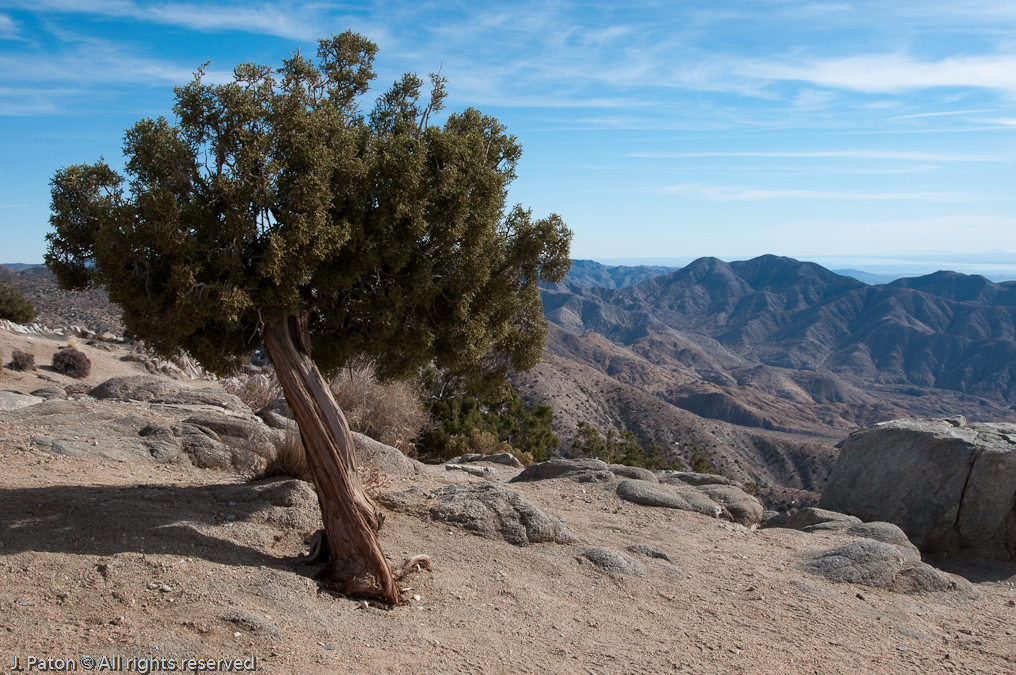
point(622, 448)
point(290, 459)
point(14, 306)
point(22, 360)
point(71, 362)
point(389, 412)
point(700, 462)
point(495, 422)
point(256, 391)
point(752, 488)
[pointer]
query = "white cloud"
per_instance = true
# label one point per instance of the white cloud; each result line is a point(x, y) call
point(8, 29)
point(851, 154)
point(940, 114)
point(739, 194)
point(890, 73)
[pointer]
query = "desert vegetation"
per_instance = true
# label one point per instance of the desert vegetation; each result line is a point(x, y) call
point(14, 306)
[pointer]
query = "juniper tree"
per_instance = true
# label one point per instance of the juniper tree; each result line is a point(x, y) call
point(271, 211)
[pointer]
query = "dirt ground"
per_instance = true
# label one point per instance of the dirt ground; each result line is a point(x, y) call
point(102, 558)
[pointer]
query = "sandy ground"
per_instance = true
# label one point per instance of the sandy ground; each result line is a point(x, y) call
point(101, 558)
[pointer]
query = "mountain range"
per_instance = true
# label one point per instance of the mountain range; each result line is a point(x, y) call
point(767, 363)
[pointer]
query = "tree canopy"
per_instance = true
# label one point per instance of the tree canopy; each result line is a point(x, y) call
point(272, 211)
point(274, 195)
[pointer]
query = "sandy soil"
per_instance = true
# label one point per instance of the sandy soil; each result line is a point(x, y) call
point(105, 558)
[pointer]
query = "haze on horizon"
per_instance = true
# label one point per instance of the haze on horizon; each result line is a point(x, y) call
point(729, 129)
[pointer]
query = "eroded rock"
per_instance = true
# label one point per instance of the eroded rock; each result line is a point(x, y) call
point(947, 484)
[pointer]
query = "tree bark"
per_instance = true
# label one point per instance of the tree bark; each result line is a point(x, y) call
point(357, 566)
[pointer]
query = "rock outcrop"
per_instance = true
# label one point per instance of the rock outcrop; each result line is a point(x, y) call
point(947, 484)
point(486, 510)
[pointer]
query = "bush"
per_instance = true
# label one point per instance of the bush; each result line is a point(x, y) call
point(22, 360)
point(14, 306)
point(71, 362)
point(256, 391)
point(389, 412)
point(502, 422)
point(290, 460)
point(622, 448)
point(700, 462)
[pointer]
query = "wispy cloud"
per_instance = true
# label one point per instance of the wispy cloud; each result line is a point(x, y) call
point(286, 19)
point(8, 29)
point(891, 73)
point(852, 154)
point(942, 114)
point(740, 194)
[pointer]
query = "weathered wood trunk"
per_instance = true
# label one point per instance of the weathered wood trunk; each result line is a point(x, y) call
point(358, 566)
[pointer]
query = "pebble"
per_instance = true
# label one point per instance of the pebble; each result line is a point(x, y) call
point(22, 602)
point(153, 586)
point(165, 589)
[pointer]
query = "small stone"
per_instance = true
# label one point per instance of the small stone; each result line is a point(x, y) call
point(116, 620)
point(153, 586)
point(417, 598)
point(165, 589)
point(860, 597)
point(22, 602)
point(1011, 603)
point(62, 596)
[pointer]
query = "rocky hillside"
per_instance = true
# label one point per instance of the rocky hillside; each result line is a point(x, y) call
point(780, 344)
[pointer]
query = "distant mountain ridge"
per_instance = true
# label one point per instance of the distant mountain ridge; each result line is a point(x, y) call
point(591, 274)
point(778, 344)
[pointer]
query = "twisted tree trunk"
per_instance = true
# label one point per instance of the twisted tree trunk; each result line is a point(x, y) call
point(357, 566)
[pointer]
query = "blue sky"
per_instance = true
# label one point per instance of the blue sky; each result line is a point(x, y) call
point(656, 129)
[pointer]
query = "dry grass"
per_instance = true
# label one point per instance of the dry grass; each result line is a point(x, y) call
point(256, 391)
point(389, 412)
point(291, 460)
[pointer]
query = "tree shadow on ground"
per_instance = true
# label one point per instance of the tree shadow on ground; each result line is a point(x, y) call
point(181, 521)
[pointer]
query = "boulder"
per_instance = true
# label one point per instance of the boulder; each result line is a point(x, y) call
point(880, 565)
point(739, 506)
point(12, 400)
point(633, 472)
point(133, 387)
point(486, 510)
point(614, 562)
point(650, 551)
point(810, 515)
point(583, 470)
point(386, 459)
point(692, 478)
point(213, 397)
point(653, 494)
point(947, 484)
point(481, 471)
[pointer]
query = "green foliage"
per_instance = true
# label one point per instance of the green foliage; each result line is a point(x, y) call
point(467, 422)
point(14, 306)
point(273, 196)
point(622, 448)
point(700, 462)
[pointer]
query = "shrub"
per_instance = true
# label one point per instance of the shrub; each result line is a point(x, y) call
point(71, 362)
point(523, 428)
point(14, 306)
point(290, 460)
point(700, 462)
point(256, 391)
point(22, 360)
point(622, 448)
point(389, 412)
